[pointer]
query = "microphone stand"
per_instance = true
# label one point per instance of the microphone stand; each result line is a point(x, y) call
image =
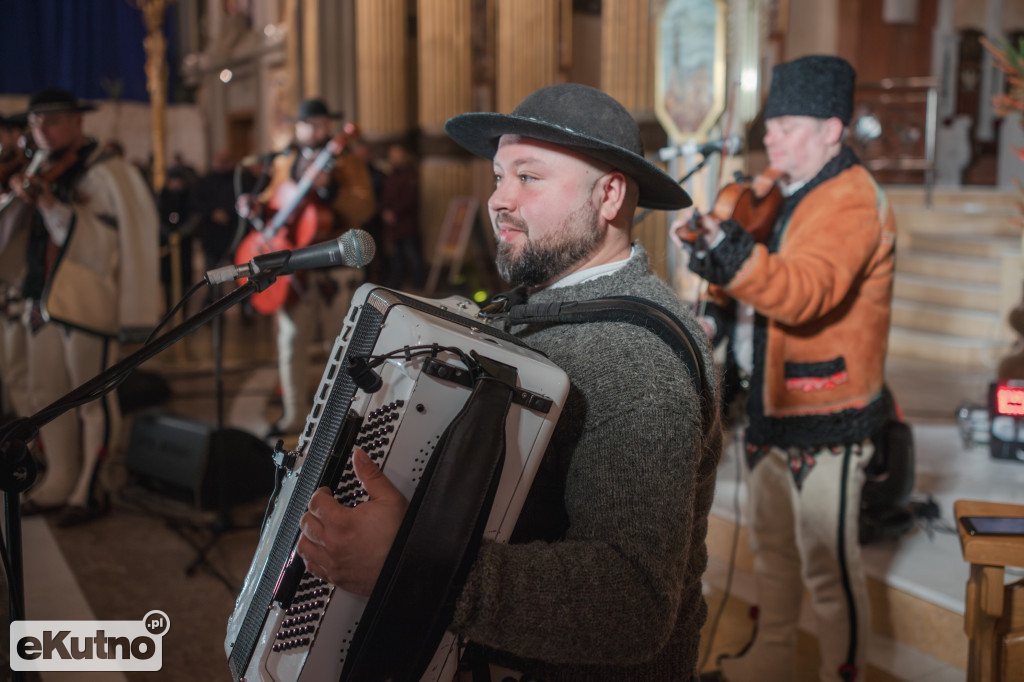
point(17, 468)
point(646, 211)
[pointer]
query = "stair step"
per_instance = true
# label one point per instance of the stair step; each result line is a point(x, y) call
point(960, 353)
point(970, 246)
point(962, 268)
point(942, 290)
point(958, 222)
point(948, 320)
point(977, 198)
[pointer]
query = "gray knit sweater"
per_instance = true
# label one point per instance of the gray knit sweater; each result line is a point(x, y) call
point(603, 578)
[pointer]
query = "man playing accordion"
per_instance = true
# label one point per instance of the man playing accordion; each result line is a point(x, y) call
point(602, 578)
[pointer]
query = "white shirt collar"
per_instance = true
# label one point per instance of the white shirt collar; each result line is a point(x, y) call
point(592, 273)
point(793, 187)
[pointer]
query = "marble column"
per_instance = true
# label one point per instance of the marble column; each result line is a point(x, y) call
point(945, 57)
point(991, 77)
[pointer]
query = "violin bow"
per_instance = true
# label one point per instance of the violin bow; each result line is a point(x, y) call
point(702, 298)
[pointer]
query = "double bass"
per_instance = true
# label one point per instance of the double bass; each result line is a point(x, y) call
point(295, 223)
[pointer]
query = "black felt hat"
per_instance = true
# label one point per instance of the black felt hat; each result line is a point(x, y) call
point(819, 85)
point(311, 108)
point(14, 120)
point(580, 118)
point(55, 99)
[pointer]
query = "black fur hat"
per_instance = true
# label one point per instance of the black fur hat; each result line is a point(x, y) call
point(820, 86)
point(583, 119)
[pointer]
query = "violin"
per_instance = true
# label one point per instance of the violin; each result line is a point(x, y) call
point(754, 203)
point(46, 167)
point(13, 160)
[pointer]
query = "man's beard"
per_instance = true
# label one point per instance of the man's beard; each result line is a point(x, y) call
point(543, 260)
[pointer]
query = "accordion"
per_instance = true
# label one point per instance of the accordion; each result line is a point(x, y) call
point(458, 415)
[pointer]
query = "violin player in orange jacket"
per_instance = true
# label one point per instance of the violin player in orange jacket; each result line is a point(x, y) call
point(820, 293)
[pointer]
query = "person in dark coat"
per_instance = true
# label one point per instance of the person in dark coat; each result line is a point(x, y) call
point(400, 211)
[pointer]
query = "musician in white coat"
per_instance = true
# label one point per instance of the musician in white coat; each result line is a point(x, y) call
point(92, 277)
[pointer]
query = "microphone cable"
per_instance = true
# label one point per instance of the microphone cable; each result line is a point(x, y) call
point(737, 440)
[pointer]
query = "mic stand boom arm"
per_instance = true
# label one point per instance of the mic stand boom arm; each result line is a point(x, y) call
point(17, 469)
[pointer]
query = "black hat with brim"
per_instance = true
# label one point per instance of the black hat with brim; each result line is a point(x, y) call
point(583, 119)
point(55, 99)
point(313, 108)
point(14, 120)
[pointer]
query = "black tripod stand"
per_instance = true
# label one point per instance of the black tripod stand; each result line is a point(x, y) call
point(17, 468)
point(223, 444)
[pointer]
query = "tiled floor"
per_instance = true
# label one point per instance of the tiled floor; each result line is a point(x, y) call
point(926, 565)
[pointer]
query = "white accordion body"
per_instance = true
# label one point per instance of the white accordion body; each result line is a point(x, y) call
point(306, 635)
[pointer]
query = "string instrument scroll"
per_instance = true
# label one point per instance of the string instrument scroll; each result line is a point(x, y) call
point(42, 170)
point(754, 203)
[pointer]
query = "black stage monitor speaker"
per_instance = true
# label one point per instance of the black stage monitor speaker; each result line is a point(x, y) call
point(190, 460)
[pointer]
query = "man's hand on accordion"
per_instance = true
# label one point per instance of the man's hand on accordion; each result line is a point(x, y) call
point(348, 545)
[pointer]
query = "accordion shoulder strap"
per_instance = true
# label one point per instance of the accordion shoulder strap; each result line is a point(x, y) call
point(414, 599)
point(639, 311)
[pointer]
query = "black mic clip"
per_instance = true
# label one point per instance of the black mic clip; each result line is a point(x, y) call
point(361, 371)
point(500, 304)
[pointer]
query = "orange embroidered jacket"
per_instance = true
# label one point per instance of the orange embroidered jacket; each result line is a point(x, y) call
point(822, 289)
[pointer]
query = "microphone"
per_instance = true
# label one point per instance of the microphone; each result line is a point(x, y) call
point(354, 249)
point(728, 145)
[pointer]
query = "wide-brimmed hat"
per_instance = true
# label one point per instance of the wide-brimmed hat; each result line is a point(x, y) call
point(583, 119)
point(312, 108)
point(19, 120)
point(55, 99)
point(820, 86)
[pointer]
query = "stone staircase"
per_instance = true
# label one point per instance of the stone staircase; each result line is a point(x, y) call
point(958, 273)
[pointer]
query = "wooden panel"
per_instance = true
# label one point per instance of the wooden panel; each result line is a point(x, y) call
point(444, 60)
point(889, 50)
point(993, 550)
point(382, 75)
point(527, 54)
point(310, 49)
point(627, 53)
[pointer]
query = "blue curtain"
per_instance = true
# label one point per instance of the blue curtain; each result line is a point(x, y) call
point(78, 45)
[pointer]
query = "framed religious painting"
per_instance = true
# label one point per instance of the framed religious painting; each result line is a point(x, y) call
point(690, 67)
